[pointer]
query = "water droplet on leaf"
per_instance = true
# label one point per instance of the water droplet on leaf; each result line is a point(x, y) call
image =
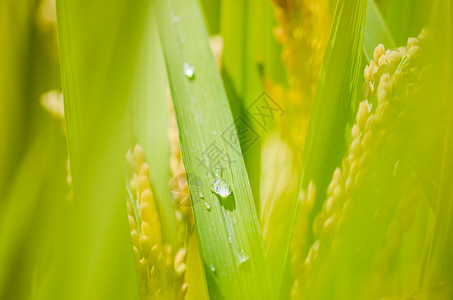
point(212, 268)
point(242, 257)
point(218, 170)
point(189, 71)
point(221, 187)
point(208, 207)
point(175, 19)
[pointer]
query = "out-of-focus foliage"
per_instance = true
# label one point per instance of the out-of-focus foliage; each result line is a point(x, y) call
point(377, 187)
point(309, 156)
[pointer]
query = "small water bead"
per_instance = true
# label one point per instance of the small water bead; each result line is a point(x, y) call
point(219, 170)
point(189, 71)
point(243, 257)
point(221, 187)
point(175, 19)
point(212, 268)
point(201, 196)
point(208, 207)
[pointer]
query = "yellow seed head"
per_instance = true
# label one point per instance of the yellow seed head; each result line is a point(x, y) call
point(132, 224)
point(378, 52)
point(135, 238)
point(365, 190)
point(145, 244)
point(154, 259)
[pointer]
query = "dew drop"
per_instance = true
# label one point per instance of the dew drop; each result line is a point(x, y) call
point(175, 19)
point(218, 170)
point(221, 187)
point(208, 207)
point(189, 71)
point(242, 257)
point(212, 268)
point(201, 196)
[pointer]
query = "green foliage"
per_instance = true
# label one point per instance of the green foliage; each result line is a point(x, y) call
point(64, 231)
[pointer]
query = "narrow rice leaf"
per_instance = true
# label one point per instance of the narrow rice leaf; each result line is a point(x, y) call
point(335, 98)
point(211, 10)
point(436, 280)
point(376, 31)
point(407, 18)
point(225, 218)
point(16, 219)
point(242, 23)
point(233, 31)
point(149, 122)
point(15, 43)
point(32, 149)
point(334, 103)
point(98, 62)
point(31, 216)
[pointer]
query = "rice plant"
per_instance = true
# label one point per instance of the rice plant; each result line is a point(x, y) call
point(226, 149)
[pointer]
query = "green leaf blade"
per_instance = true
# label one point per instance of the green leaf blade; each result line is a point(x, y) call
point(98, 62)
point(376, 31)
point(335, 99)
point(228, 232)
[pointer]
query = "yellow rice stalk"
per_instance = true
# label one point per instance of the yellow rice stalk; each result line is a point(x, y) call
point(376, 187)
point(303, 30)
point(160, 270)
